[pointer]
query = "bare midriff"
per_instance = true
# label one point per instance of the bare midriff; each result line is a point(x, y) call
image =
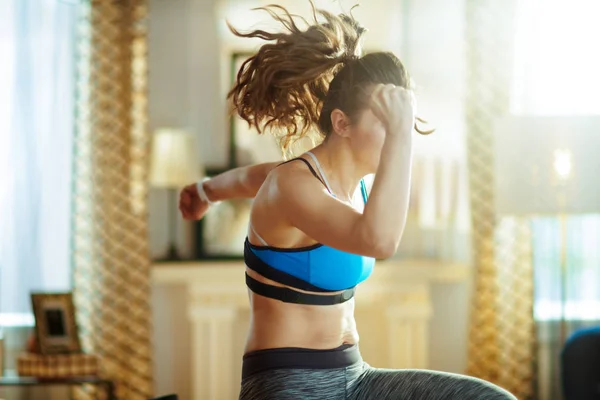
point(275, 324)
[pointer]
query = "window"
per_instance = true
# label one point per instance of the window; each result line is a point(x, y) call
point(36, 136)
point(556, 58)
point(581, 274)
point(556, 73)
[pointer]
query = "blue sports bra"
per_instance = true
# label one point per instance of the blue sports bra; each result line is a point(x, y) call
point(316, 268)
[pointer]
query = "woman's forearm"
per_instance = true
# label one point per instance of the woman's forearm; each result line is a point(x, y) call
point(385, 213)
point(238, 183)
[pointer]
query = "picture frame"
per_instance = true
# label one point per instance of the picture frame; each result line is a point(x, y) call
point(55, 325)
point(246, 145)
point(220, 234)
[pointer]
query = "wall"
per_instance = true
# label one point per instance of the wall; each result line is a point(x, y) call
point(203, 312)
point(434, 53)
point(184, 91)
point(189, 48)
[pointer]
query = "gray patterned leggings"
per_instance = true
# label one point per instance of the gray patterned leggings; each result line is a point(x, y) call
point(301, 374)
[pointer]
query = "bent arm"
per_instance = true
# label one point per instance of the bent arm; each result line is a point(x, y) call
point(378, 230)
point(238, 183)
point(386, 211)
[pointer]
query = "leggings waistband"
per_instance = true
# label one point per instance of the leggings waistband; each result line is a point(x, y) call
point(299, 358)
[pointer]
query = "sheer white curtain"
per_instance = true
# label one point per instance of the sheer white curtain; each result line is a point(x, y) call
point(556, 72)
point(37, 43)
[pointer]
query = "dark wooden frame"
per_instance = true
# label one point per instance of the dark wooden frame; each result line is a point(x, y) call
point(201, 251)
point(235, 62)
point(69, 343)
point(239, 129)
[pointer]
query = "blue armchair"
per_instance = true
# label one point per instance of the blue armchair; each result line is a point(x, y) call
point(580, 365)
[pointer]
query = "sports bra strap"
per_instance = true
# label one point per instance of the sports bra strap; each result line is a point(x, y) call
point(364, 191)
point(312, 170)
point(323, 179)
point(310, 167)
point(263, 241)
point(318, 164)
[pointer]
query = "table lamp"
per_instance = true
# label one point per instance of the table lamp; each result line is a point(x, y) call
point(173, 164)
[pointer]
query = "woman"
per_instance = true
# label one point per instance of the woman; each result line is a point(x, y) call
point(309, 242)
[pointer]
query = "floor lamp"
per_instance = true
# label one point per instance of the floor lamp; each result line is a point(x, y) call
point(173, 164)
point(548, 166)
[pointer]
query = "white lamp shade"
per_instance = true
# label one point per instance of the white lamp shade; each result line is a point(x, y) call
point(174, 162)
point(547, 165)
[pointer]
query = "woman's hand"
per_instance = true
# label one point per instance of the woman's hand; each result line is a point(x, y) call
point(237, 183)
point(395, 107)
point(191, 206)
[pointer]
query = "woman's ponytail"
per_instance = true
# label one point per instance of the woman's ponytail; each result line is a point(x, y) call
point(284, 84)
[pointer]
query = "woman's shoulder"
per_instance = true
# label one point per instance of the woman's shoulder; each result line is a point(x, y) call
point(293, 177)
point(292, 168)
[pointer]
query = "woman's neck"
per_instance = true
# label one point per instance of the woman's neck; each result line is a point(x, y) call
point(340, 166)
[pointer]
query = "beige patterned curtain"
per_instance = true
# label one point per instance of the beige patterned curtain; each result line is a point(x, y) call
point(502, 331)
point(111, 260)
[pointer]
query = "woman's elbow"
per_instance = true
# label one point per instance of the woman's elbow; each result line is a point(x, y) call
point(384, 248)
point(378, 243)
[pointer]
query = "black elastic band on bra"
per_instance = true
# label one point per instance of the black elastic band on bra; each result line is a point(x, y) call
point(288, 295)
point(310, 167)
point(256, 264)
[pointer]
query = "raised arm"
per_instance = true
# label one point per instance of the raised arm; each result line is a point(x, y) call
point(378, 230)
point(238, 183)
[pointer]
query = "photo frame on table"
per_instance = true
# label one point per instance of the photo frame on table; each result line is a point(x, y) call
point(55, 325)
point(220, 234)
point(246, 145)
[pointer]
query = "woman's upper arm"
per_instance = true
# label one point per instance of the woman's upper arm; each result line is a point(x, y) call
point(241, 182)
point(310, 208)
point(255, 176)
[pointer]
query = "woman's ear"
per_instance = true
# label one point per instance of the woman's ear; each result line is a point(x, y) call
point(340, 123)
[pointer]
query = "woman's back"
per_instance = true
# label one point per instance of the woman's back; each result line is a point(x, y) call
point(314, 266)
